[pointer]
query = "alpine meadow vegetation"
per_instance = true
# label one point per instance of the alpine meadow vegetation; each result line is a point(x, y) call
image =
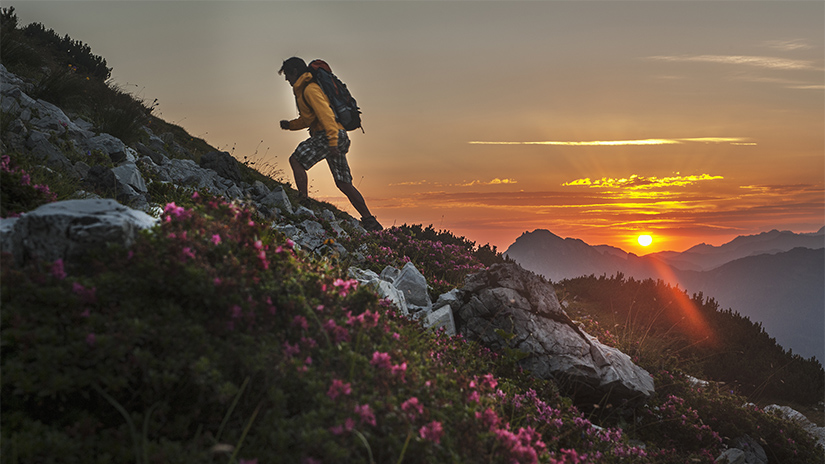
point(213, 338)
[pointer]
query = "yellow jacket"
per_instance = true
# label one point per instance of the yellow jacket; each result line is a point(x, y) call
point(314, 110)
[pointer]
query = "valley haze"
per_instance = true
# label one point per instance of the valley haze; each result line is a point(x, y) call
point(775, 278)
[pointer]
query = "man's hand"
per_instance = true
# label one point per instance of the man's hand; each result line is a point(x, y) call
point(285, 124)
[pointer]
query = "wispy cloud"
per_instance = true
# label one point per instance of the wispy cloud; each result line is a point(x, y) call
point(641, 182)
point(495, 181)
point(788, 45)
point(410, 183)
point(471, 183)
point(758, 61)
point(615, 143)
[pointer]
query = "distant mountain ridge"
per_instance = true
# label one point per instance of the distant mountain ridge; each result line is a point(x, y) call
point(776, 278)
point(707, 257)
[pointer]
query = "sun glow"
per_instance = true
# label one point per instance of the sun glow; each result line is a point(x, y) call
point(645, 240)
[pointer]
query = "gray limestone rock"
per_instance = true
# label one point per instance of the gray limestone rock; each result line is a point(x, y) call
point(384, 289)
point(129, 174)
point(277, 198)
point(68, 229)
point(442, 317)
point(506, 298)
point(414, 286)
point(223, 163)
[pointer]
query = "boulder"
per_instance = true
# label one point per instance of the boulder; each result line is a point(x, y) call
point(507, 299)
point(731, 456)
point(129, 174)
point(277, 199)
point(441, 318)
point(793, 415)
point(752, 451)
point(40, 146)
point(157, 157)
point(109, 145)
point(383, 288)
point(414, 286)
point(68, 229)
point(223, 163)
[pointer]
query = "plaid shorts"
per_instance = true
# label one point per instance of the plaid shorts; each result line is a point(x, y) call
point(316, 147)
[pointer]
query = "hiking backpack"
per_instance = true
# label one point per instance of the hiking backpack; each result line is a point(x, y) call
point(340, 100)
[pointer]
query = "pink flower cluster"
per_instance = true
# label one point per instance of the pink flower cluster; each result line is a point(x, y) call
point(25, 179)
point(412, 407)
point(338, 388)
point(179, 212)
point(432, 431)
point(368, 319)
point(345, 286)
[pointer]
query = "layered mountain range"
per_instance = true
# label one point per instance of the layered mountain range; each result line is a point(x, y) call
point(775, 278)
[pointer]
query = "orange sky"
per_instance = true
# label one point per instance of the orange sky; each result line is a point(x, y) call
point(689, 121)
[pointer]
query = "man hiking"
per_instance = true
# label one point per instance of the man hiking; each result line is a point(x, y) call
point(328, 139)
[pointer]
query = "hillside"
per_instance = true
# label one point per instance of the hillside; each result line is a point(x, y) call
point(219, 323)
point(783, 292)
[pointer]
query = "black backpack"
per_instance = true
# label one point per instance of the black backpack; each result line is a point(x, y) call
point(340, 100)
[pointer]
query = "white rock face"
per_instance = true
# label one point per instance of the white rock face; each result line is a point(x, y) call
point(507, 298)
point(796, 416)
point(67, 229)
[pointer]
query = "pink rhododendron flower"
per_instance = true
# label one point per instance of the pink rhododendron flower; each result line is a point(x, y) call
point(172, 209)
point(338, 388)
point(432, 431)
point(381, 360)
point(345, 285)
point(291, 350)
point(216, 239)
point(300, 322)
point(87, 295)
point(489, 381)
point(488, 418)
point(90, 339)
point(412, 407)
point(57, 269)
point(366, 414)
point(187, 253)
point(195, 196)
point(236, 311)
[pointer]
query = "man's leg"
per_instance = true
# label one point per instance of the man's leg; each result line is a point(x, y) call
point(301, 179)
point(354, 197)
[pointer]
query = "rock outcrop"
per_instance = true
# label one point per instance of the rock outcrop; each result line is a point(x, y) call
point(68, 229)
point(65, 144)
point(507, 299)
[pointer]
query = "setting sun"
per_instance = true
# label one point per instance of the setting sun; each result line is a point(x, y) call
point(645, 240)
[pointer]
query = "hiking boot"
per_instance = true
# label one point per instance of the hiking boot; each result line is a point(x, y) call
point(371, 224)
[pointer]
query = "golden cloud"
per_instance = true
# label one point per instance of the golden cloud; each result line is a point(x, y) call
point(758, 61)
point(641, 182)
